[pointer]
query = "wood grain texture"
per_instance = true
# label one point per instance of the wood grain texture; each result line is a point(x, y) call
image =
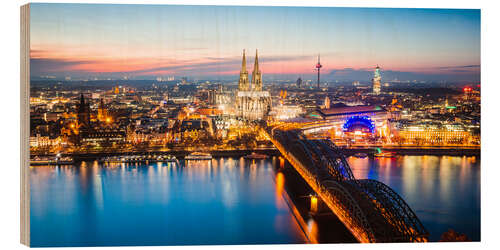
point(24, 87)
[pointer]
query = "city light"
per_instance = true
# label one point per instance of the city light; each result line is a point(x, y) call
point(211, 117)
point(222, 117)
point(314, 204)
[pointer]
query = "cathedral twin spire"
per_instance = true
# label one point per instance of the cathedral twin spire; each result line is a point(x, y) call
point(256, 75)
point(243, 83)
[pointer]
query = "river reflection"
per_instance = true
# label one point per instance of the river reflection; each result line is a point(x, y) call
point(231, 201)
point(443, 191)
point(222, 201)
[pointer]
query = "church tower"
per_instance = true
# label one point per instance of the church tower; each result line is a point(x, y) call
point(83, 112)
point(243, 84)
point(102, 112)
point(256, 75)
point(252, 103)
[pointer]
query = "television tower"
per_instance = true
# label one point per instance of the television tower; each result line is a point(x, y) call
point(318, 68)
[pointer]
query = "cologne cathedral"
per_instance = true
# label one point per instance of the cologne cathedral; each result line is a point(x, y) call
point(251, 101)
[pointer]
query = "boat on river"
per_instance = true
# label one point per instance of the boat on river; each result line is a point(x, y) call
point(139, 159)
point(384, 154)
point(199, 156)
point(360, 155)
point(256, 156)
point(51, 161)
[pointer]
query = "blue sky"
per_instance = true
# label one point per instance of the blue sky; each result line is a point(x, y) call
point(146, 41)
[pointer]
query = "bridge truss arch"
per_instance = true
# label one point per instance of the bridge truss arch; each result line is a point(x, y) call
point(403, 224)
point(371, 210)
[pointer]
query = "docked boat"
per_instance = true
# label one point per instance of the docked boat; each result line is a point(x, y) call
point(254, 155)
point(111, 159)
point(360, 155)
point(199, 156)
point(170, 158)
point(58, 160)
point(139, 159)
point(384, 154)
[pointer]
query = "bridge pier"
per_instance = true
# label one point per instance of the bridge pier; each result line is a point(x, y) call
point(282, 162)
point(317, 206)
point(314, 204)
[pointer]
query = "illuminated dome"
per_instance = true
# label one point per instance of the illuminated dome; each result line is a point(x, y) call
point(359, 123)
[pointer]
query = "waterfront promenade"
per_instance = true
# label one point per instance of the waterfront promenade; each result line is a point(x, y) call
point(271, 151)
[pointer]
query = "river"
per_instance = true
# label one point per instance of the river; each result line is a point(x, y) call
point(227, 200)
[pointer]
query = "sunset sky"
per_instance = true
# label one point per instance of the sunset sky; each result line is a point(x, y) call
point(206, 42)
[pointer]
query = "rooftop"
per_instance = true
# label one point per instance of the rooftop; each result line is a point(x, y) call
point(351, 110)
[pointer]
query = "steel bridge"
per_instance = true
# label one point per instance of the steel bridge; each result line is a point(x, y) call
point(371, 210)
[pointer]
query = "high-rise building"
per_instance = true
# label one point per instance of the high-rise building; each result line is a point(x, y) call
point(184, 80)
point(211, 98)
point(327, 103)
point(251, 101)
point(299, 82)
point(376, 81)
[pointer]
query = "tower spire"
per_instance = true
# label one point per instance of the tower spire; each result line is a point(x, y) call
point(244, 63)
point(256, 66)
point(243, 84)
point(256, 75)
point(82, 99)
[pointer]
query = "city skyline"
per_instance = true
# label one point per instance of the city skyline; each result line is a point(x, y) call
point(206, 42)
point(223, 125)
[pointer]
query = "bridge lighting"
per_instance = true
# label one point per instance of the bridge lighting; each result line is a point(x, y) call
point(282, 162)
point(280, 183)
point(314, 204)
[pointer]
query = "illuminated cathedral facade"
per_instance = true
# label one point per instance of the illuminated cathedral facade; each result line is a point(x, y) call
point(252, 102)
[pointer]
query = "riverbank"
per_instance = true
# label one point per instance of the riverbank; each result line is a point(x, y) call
point(369, 151)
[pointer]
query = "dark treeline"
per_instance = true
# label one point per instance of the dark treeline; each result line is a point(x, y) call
point(431, 91)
